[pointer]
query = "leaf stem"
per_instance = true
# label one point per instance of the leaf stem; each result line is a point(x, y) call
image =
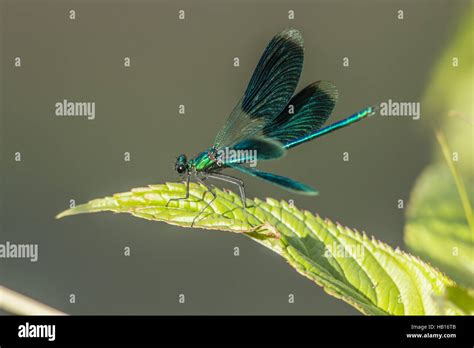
point(16, 303)
point(457, 179)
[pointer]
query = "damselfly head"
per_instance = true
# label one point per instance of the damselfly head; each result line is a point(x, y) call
point(181, 165)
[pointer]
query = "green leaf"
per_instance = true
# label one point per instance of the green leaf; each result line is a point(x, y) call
point(366, 273)
point(449, 91)
point(440, 222)
point(457, 299)
point(447, 102)
point(437, 228)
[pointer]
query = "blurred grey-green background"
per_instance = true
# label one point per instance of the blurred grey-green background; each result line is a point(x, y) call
point(190, 62)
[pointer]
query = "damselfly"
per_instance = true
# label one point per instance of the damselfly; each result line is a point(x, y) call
point(268, 121)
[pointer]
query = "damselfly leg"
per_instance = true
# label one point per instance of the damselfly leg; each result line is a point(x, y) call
point(209, 189)
point(230, 179)
point(187, 191)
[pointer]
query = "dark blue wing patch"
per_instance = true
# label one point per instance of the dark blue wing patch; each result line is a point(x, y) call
point(270, 89)
point(305, 113)
point(276, 76)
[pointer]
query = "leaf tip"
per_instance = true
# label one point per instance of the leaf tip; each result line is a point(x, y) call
point(68, 212)
point(61, 215)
